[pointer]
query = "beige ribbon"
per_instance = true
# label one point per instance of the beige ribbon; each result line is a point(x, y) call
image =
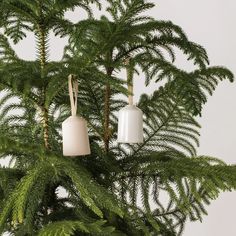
point(73, 92)
point(130, 98)
point(129, 82)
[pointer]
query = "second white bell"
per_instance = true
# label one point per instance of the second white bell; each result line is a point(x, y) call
point(130, 125)
point(75, 137)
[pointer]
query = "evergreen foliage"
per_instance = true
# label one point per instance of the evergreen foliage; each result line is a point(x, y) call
point(142, 189)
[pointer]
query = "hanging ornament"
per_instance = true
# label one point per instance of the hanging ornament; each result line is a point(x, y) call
point(74, 129)
point(130, 120)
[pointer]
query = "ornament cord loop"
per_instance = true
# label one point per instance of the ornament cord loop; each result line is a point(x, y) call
point(131, 98)
point(130, 74)
point(73, 92)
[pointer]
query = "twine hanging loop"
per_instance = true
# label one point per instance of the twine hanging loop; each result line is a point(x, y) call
point(130, 74)
point(73, 92)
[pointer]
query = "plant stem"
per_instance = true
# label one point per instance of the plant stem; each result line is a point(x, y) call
point(45, 128)
point(107, 118)
point(107, 113)
point(42, 49)
point(42, 52)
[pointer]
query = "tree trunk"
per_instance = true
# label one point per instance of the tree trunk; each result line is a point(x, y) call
point(42, 50)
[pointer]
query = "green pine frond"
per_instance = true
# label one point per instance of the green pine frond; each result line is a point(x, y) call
point(7, 54)
point(67, 228)
point(190, 184)
point(118, 189)
point(167, 125)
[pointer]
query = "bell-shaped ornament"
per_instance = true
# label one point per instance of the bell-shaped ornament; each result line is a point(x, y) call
point(130, 120)
point(130, 125)
point(75, 137)
point(74, 129)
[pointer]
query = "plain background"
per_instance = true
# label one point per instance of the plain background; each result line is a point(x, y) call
point(210, 23)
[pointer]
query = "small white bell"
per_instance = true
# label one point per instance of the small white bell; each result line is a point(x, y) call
point(130, 120)
point(130, 125)
point(75, 137)
point(74, 129)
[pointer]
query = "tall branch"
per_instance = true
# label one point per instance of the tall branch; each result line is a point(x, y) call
point(42, 56)
point(107, 132)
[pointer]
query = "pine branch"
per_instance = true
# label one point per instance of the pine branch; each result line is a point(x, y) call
point(70, 227)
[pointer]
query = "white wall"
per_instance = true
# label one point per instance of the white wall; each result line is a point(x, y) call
point(210, 23)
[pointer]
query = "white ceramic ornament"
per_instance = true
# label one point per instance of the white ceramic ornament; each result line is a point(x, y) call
point(74, 129)
point(130, 125)
point(130, 120)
